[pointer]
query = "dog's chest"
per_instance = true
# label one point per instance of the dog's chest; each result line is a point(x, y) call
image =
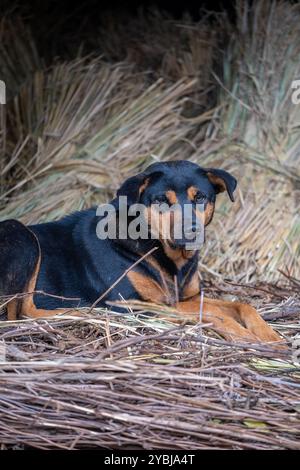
point(158, 286)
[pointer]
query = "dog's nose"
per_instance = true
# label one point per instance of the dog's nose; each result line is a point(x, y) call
point(192, 231)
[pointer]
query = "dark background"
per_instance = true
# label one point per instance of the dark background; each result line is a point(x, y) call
point(56, 24)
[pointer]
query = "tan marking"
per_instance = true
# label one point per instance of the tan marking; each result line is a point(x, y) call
point(235, 321)
point(224, 325)
point(200, 216)
point(217, 181)
point(162, 226)
point(168, 284)
point(248, 317)
point(192, 287)
point(28, 307)
point(191, 192)
point(171, 196)
point(179, 256)
point(205, 216)
point(209, 212)
point(165, 277)
point(147, 288)
point(12, 309)
point(144, 186)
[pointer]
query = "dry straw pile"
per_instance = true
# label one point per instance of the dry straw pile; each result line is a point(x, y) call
point(116, 381)
point(154, 89)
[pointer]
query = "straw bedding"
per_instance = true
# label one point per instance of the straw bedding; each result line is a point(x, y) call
point(114, 381)
point(71, 131)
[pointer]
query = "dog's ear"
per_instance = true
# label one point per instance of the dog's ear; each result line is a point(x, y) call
point(222, 181)
point(134, 186)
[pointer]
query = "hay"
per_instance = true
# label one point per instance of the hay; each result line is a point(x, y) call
point(261, 122)
point(102, 118)
point(112, 381)
point(19, 57)
point(155, 43)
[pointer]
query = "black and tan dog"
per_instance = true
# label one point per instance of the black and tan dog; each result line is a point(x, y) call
point(61, 265)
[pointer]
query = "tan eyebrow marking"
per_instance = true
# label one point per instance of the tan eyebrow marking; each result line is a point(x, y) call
point(144, 185)
point(191, 192)
point(171, 196)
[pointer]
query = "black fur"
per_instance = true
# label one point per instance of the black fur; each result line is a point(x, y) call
point(77, 265)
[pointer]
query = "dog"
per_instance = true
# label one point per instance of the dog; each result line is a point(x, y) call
point(50, 268)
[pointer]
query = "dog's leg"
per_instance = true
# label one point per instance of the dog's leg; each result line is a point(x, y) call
point(248, 317)
point(13, 309)
point(224, 324)
point(19, 254)
point(233, 320)
point(20, 260)
point(28, 307)
point(41, 313)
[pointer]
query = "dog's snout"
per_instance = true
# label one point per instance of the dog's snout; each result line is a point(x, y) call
point(192, 230)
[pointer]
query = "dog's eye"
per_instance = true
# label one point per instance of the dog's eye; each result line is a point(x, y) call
point(161, 203)
point(200, 198)
point(160, 200)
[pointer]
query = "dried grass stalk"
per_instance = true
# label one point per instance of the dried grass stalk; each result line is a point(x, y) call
point(111, 381)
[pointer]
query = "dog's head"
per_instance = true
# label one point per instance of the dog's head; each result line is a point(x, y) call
point(178, 198)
